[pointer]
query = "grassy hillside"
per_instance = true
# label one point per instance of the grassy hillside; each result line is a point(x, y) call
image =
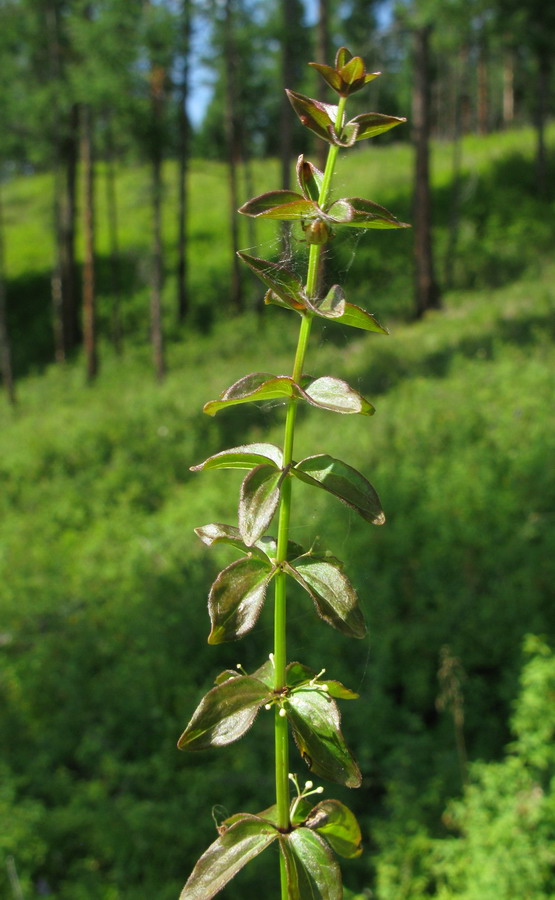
point(102, 608)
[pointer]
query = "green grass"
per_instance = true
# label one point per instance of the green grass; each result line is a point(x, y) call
point(103, 601)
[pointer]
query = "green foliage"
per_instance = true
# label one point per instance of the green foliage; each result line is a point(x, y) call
point(506, 817)
point(103, 628)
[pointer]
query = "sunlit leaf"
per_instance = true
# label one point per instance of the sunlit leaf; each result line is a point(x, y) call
point(332, 306)
point(265, 548)
point(315, 722)
point(238, 844)
point(258, 502)
point(329, 74)
point(344, 482)
point(278, 278)
point(216, 533)
point(310, 179)
point(348, 75)
point(237, 597)
point(278, 205)
point(332, 592)
point(312, 870)
point(338, 825)
point(359, 318)
point(318, 117)
point(253, 388)
point(225, 713)
point(368, 125)
point(342, 57)
point(244, 457)
point(340, 213)
point(298, 674)
point(337, 396)
point(366, 214)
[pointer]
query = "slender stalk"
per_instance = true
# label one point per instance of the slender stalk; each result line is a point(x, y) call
point(280, 608)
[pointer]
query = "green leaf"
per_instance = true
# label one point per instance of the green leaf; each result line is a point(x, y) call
point(342, 57)
point(254, 388)
point(366, 214)
point(216, 533)
point(332, 592)
point(258, 502)
point(265, 548)
point(297, 674)
point(340, 213)
point(237, 597)
point(238, 844)
point(334, 306)
point(349, 74)
point(315, 722)
point(278, 278)
point(359, 318)
point(225, 713)
point(353, 70)
point(344, 482)
point(325, 393)
point(329, 74)
point(318, 117)
point(244, 457)
point(283, 205)
point(310, 179)
point(312, 870)
point(368, 125)
point(337, 396)
point(338, 825)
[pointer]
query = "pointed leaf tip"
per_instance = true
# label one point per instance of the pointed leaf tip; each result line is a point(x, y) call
point(242, 841)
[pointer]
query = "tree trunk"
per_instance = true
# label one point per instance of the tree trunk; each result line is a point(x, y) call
point(183, 129)
point(5, 350)
point(460, 70)
point(323, 56)
point(89, 299)
point(483, 93)
point(286, 119)
point(157, 273)
point(65, 150)
point(508, 89)
point(113, 239)
point(233, 150)
point(427, 295)
point(543, 63)
point(56, 278)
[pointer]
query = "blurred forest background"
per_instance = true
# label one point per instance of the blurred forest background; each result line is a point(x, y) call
point(130, 131)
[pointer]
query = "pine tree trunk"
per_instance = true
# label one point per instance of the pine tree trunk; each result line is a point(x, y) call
point(427, 295)
point(5, 349)
point(67, 209)
point(89, 299)
point(286, 119)
point(322, 56)
point(113, 240)
point(233, 150)
point(483, 92)
point(543, 67)
point(460, 71)
point(65, 150)
point(508, 89)
point(157, 273)
point(183, 129)
point(56, 278)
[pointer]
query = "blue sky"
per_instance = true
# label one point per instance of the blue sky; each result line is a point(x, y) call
point(201, 88)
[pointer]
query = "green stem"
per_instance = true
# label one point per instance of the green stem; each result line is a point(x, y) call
point(280, 646)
